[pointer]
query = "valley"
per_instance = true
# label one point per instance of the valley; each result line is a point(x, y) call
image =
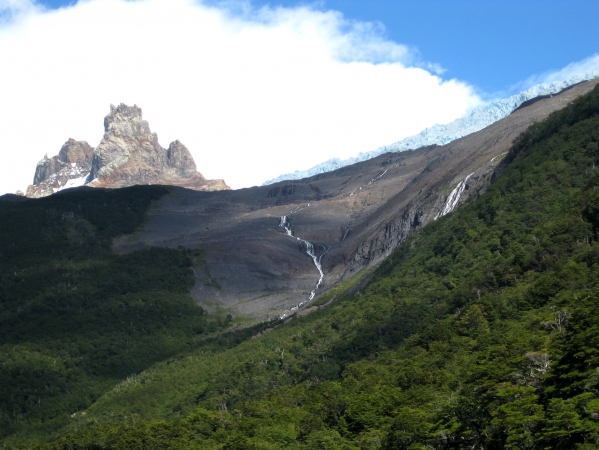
point(299, 225)
point(162, 317)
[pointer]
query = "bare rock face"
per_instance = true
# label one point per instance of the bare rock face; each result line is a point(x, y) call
point(69, 168)
point(128, 154)
point(179, 161)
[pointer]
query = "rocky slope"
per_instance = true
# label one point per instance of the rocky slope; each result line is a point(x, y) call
point(128, 154)
point(260, 264)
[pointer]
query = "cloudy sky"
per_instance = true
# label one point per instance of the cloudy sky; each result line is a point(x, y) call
point(255, 89)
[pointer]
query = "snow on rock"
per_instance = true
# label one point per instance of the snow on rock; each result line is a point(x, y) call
point(442, 134)
point(74, 182)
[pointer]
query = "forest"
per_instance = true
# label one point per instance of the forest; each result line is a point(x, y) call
point(479, 332)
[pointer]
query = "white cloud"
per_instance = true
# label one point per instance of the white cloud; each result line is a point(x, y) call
point(253, 93)
point(13, 10)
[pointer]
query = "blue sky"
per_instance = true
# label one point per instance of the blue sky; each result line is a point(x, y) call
point(492, 44)
point(258, 89)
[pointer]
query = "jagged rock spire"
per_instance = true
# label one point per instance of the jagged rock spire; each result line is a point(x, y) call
point(128, 154)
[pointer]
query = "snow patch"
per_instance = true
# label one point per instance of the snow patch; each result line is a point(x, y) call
point(73, 182)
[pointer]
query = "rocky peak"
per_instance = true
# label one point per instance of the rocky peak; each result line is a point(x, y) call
point(126, 121)
point(128, 154)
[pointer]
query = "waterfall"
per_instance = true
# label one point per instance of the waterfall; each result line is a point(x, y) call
point(316, 259)
point(377, 178)
point(370, 183)
point(453, 198)
point(310, 252)
point(285, 225)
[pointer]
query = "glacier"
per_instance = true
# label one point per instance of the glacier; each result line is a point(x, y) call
point(442, 134)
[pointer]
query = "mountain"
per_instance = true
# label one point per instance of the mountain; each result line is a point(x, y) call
point(128, 154)
point(442, 134)
point(342, 222)
point(479, 331)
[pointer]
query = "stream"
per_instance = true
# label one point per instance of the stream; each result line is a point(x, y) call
point(310, 252)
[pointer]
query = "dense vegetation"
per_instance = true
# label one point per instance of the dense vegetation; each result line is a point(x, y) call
point(479, 332)
point(75, 319)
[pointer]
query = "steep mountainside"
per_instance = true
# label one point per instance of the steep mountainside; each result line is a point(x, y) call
point(479, 332)
point(129, 154)
point(349, 219)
